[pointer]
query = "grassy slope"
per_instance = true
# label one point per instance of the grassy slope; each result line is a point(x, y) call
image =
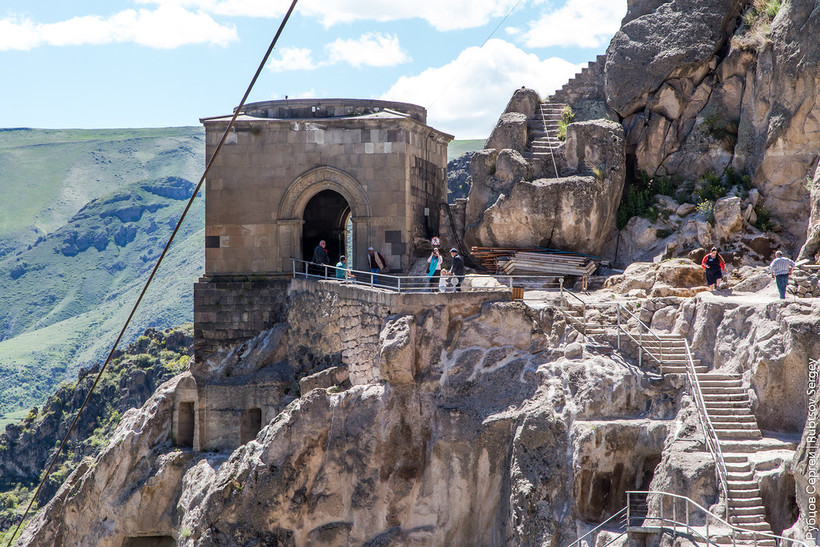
point(46, 176)
point(65, 311)
point(457, 148)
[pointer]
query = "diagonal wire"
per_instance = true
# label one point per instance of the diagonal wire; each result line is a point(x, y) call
point(468, 63)
point(236, 113)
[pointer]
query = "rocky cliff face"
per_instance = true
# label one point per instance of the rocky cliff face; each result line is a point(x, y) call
point(708, 92)
point(481, 426)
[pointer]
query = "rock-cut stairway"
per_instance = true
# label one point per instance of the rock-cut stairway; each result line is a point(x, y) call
point(729, 409)
point(542, 129)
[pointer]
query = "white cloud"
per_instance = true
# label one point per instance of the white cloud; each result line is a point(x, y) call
point(442, 15)
point(166, 27)
point(241, 8)
point(582, 23)
point(292, 58)
point(370, 49)
point(466, 97)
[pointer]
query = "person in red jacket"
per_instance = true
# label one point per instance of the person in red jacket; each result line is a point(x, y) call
point(714, 265)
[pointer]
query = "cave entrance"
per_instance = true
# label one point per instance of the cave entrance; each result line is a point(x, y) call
point(185, 425)
point(250, 423)
point(602, 492)
point(327, 217)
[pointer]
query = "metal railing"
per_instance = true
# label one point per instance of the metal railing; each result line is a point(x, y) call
point(709, 433)
point(643, 328)
point(622, 528)
point(672, 519)
point(547, 131)
point(304, 269)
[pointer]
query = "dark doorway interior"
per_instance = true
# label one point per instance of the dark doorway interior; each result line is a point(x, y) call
point(149, 541)
point(185, 425)
point(250, 423)
point(325, 217)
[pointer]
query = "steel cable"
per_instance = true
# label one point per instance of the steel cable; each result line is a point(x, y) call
point(236, 113)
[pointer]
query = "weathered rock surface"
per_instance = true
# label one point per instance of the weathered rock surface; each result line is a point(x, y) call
point(577, 212)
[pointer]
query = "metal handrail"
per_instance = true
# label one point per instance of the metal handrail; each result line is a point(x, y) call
point(709, 433)
point(686, 524)
point(547, 131)
point(642, 326)
point(598, 528)
point(414, 283)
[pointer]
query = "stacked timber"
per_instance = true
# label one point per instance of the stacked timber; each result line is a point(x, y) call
point(548, 264)
point(510, 261)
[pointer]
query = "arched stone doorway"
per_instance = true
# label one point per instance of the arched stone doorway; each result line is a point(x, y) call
point(325, 218)
point(312, 210)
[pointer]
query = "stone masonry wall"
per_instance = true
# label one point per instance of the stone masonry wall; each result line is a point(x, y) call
point(232, 310)
point(341, 323)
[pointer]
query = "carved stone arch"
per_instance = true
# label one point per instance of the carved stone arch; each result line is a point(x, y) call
point(321, 178)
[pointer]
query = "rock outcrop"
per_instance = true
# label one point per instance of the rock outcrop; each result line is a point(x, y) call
point(480, 423)
point(508, 209)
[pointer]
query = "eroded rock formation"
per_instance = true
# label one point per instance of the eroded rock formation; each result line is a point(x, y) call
point(481, 422)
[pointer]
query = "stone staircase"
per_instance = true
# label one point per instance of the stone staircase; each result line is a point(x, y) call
point(542, 130)
point(728, 407)
point(587, 84)
point(729, 410)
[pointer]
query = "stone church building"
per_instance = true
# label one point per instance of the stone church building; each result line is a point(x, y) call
point(355, 173)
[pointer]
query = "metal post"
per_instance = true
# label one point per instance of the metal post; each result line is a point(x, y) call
point(561, 292)
point(399, 287)
point(618, 322)
point(674, 518)
point(293, 265)
point(687, 516)
point(640, 345)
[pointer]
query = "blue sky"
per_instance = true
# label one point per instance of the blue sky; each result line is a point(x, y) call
point(158, 63)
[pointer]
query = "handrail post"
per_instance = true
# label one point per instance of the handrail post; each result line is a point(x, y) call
point(293, 266)
point(618, 322)
point(674, 518)
point(640, 345)
point(399, 283)
point(628, 509)
point(561, 292)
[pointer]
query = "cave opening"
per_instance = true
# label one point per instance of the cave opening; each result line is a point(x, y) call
point(250, 423)
point(185, 424)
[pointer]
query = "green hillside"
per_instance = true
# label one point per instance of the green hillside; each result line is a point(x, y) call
point(46, 175)
point(84, 215)
point(457, 148)
point(65, 299)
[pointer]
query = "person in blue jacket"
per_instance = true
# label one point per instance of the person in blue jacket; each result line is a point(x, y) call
point(433, 269)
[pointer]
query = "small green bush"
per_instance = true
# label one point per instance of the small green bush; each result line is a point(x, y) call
point(710, 187)
point(707, 209)
point(765, 222)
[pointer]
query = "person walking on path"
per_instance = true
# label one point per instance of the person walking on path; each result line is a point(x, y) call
point(321, 257)
point(457, 269)
point(714, 265)
point(433, 269)
point(376, 262)
point(781, 268)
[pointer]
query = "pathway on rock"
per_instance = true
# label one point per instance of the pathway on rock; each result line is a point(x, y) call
point(543, 130)
point(728, 408)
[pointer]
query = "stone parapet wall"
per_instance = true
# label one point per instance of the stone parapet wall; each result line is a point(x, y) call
point(341, 323)
point(231, 310)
